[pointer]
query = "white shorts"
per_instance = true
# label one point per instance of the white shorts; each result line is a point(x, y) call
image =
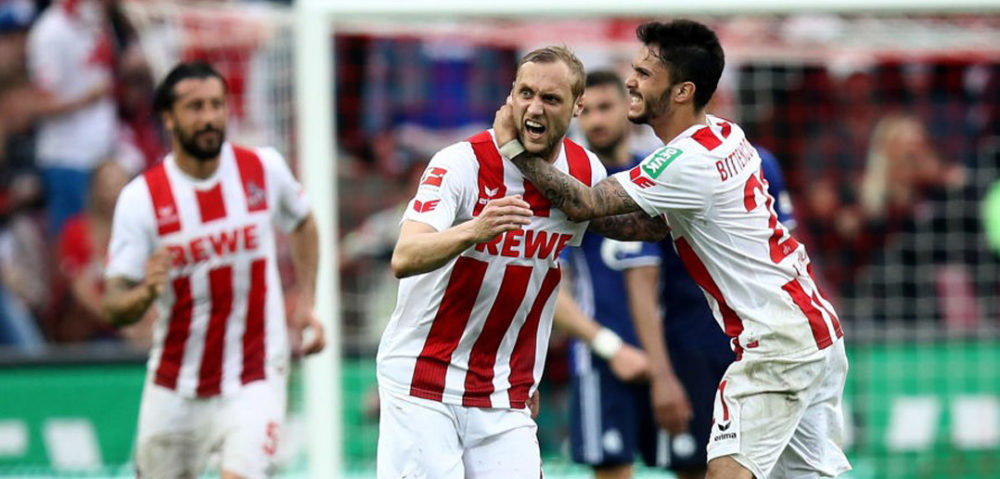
point(782, 418)
point(178, 434)
point(424, 439)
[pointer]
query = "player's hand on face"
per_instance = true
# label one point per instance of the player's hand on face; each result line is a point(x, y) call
point(629, 364)
point(308, 337)
point(671, 407)
point(503, 123)
point(501, 215)
point(157, 272)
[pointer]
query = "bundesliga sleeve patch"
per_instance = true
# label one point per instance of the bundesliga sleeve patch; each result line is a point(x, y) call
point(654, 165)
point(433, 176)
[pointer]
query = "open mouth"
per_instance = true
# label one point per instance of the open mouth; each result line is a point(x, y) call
point(534, 128)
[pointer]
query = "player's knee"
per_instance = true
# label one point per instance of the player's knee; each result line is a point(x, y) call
point(726, 467)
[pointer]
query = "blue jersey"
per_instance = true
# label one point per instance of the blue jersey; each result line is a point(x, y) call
point(598, 284)
point(686, 313)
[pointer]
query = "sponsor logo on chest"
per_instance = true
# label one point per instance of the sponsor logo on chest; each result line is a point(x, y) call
point(526, 243)
point(222, 243)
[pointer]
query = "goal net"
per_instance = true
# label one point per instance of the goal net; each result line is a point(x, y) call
point(887, 126)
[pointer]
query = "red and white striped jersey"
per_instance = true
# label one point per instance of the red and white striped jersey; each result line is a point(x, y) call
point(221, 318)
point(708, 185)
point(475, 331)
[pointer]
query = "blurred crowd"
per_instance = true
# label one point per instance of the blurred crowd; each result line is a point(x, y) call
point(77, 124)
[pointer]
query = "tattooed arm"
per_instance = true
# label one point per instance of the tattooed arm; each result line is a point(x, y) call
point(636, 226)
point(577, 200)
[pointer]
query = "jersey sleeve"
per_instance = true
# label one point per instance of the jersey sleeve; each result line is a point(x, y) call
point(669, 179)
point(46, 57)
point(776, 187)
point(292, 205)
point(132, 233)
point(442, 189)
point(622, 255)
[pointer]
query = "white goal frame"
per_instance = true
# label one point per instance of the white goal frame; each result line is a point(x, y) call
point(314, 20)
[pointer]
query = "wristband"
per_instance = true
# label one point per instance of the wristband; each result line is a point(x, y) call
point(512, 148)
point(606, 343)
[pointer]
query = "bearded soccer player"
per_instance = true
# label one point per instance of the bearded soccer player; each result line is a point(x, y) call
point(478, 256)
point(778, 408)
point(194, 236)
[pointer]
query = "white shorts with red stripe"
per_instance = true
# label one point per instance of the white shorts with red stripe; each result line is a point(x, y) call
point(178, 434)
point(424, 439)
point(782, 417)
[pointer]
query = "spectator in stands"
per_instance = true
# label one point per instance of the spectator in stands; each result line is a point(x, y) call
point(82, 250)
point(834, 159)
point(71, 61)
point(902, 164)
point(23, 290)
point(141, 141)
point(919, 233)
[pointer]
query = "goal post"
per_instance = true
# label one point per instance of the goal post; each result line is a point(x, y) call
point(317, 171)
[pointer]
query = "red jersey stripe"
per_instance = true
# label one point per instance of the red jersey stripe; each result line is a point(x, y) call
point(491, 184)
point(482, 359)
point(252, 176)
point(178, 330)
point(706, 138)
point(578, 161)
point(698, 271)
point(446, 330)
point(722, 399)
point(220, 281)
point(168, 218)
point(821, 333)
point(836, 321)
point(539, 204)
point(254, 346)
point(522, 360)
point(210, 204)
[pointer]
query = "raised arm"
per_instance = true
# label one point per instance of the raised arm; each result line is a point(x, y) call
point(421, 248)
point(636, 226)
point(577, 200)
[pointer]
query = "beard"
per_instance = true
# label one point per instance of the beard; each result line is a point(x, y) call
point(607, 149)
point(546, 150)
point(191, 146)
point(653, 109)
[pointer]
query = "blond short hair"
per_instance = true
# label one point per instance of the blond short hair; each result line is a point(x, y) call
point(554, 53)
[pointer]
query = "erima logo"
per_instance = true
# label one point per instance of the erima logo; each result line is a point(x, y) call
point(728, 435)
point(166, 215)
point(255, 195)
point(491, 192)
point(724, 427)
point(654, 165)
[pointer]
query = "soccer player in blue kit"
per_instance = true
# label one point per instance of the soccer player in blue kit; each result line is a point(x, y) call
point(610, 415)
